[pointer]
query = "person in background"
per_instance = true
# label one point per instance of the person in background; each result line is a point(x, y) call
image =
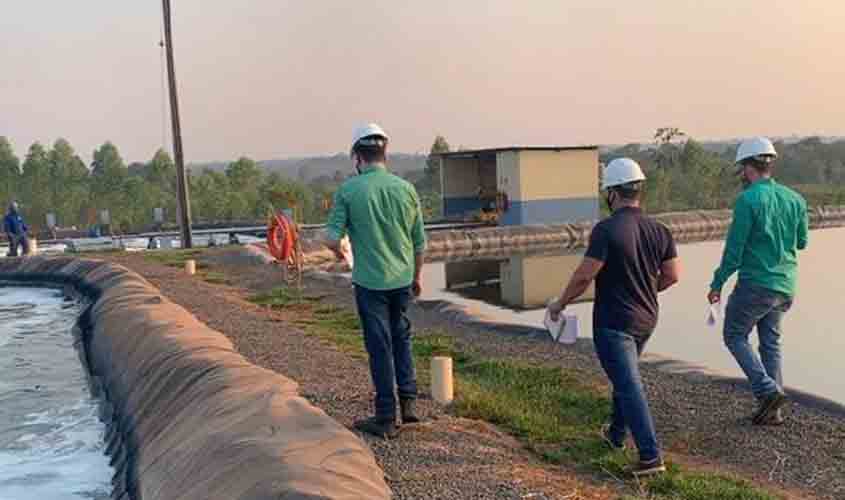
point(16, 231)
point(769, 227)
point(632, 258)
point(381, 215)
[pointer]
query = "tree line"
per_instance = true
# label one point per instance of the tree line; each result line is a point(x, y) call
point(683, 174)
point(57, 181)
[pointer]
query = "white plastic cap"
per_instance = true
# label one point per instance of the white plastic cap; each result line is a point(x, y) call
point(759, 148)
point(621, 171)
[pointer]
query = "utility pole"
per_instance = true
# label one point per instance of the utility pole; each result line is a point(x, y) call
point(183, 203)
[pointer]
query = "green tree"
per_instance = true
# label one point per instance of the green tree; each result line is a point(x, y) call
point(698, 181)
point(36, 199)
point(244, 177)
point(108, 174)
point(161, 170)
point(665, 157)
point(429, 186)
point(210, 193)
point(138, 213)
point(243, 174)
point(68, 184)
point(10, 171)
point(278, 192)
point(432, 163)
point(160, 177)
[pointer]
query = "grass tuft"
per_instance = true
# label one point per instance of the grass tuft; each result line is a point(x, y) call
point(174, 258)
point(281, 297)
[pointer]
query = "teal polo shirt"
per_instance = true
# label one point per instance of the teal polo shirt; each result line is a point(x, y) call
point(769, 226)
point(381, 214)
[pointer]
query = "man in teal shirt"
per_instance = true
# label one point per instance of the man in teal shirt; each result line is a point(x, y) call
point(381, 214)
point(769, 227)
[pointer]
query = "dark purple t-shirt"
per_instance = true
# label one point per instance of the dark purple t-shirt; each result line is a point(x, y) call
point(632, 247)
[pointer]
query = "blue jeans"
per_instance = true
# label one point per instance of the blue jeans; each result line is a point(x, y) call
point(387, 336)
point(751, 306)
point(15, 241)
point(619, 355)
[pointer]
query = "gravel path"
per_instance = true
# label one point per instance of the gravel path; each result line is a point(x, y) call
point(700, 420)
point(443, 458)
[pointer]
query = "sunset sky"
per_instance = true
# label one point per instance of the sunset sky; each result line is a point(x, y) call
point(272, 78)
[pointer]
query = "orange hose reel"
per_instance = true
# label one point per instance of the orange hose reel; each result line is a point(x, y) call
point(281, 237)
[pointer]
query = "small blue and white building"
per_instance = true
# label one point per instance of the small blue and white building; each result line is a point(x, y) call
point(524, 185)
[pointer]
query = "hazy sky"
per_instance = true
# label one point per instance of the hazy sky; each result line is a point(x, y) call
point(273, 78)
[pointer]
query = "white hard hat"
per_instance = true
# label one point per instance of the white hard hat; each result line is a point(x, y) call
point(759, 148)
point(621, 171)
point(367, 131)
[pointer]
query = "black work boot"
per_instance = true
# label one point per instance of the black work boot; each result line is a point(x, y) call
point(383, 427)
point(408, 410)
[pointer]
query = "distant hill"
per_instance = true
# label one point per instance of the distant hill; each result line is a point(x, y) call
point(308, 169)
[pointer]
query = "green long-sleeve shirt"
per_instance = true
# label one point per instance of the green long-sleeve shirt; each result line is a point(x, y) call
point(382, 215)
point(769, 226)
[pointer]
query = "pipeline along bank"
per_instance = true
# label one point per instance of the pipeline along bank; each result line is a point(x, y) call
point(501, 241)
point(686, 227)
point(188, 417)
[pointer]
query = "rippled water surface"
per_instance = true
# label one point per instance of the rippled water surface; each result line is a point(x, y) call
point(51, 441)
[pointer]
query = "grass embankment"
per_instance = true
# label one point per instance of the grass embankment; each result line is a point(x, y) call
point(555, 414)
point(177, 258)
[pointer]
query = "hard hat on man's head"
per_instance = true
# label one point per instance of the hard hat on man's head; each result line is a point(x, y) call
point(369, 135)
point(13, 206)
point(621, 171)
point(758, 148)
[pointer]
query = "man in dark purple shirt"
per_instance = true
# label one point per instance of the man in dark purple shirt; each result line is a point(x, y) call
point(632, 258)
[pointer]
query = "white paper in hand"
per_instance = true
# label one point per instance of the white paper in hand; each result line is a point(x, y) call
point(714, 313)
point(571, 326)
point(346, 250)
point(564, 330)
point(554, 327)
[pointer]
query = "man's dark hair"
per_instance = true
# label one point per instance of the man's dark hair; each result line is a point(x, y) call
point(763, 166)
point(371, 149)
point(630, 191)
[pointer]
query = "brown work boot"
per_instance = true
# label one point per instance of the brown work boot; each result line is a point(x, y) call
point(775, 420)
point(608, 440)
point(769, 406)
point(409, 411)
point(642, 469)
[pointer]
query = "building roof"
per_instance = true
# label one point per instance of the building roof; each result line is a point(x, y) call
point(469, 153)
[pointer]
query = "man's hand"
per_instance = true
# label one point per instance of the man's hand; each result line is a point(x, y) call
point(714, 296)
point(555, 308)
point(336, 247)
point(338, 253)
point(416, 287)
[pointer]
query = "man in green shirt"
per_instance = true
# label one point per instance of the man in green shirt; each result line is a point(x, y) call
point(769, 227)
point(381, 214)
